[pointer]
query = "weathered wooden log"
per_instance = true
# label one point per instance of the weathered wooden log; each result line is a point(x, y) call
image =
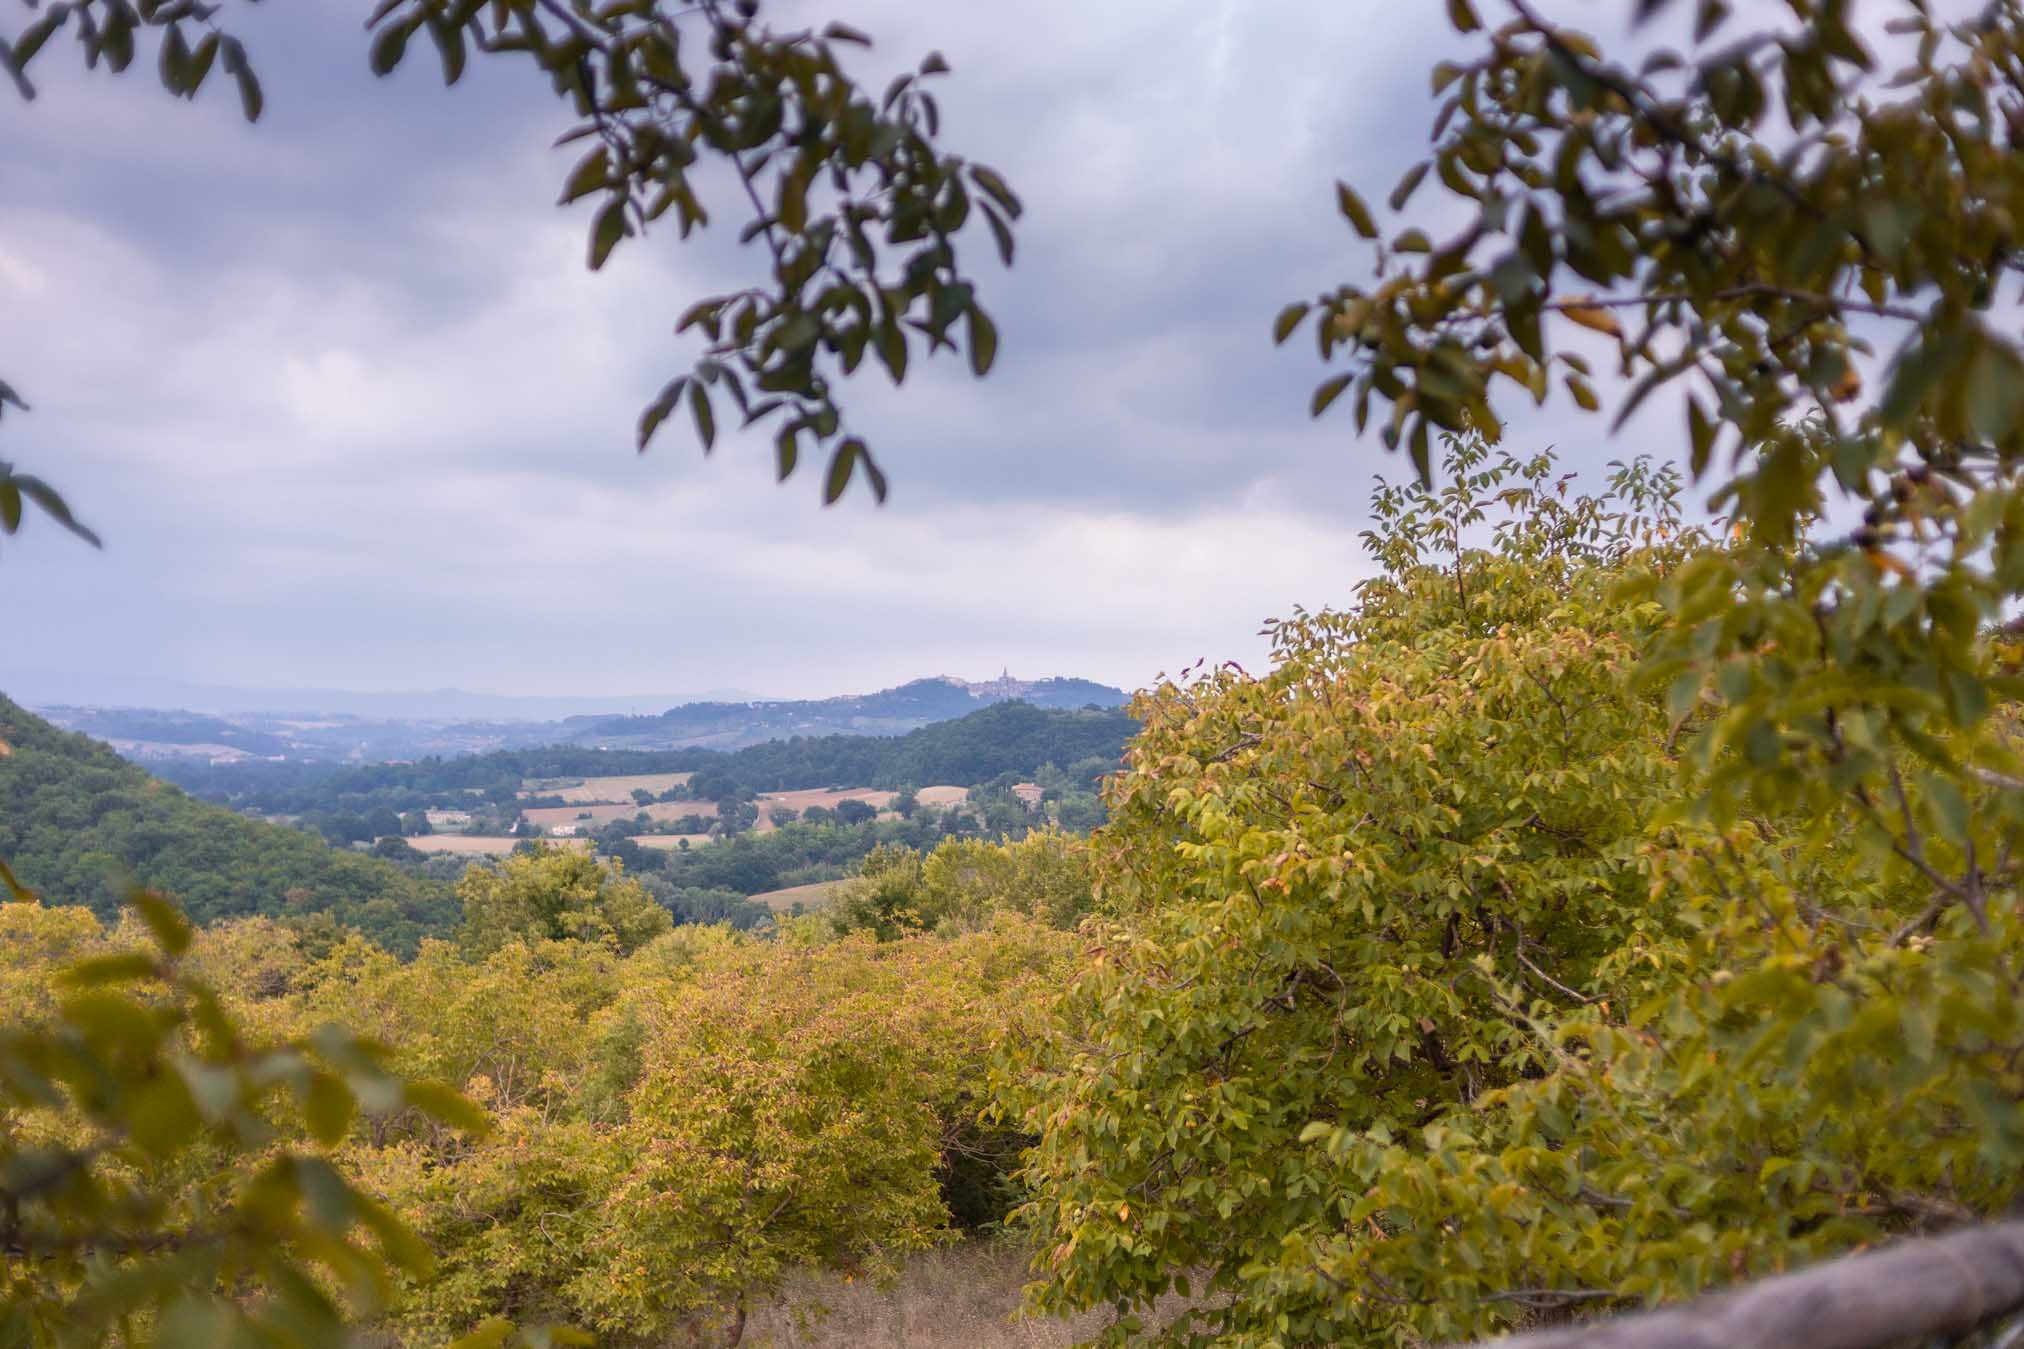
point(1930, 1286)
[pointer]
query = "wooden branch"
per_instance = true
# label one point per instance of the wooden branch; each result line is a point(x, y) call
point(1912, 1290)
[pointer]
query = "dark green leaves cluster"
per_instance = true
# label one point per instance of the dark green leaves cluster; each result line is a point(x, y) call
point(856, 207)
point(189, 43)
point(1735, 221)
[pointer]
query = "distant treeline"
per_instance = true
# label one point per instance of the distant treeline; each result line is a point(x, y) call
point(1004, 738)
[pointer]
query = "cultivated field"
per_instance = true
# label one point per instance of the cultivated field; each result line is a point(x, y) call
point(478, 846)
point(816, 796)
point(548, 816)
point(807, 896)
point(611, 788)
point(942, 797)
point(670, 842)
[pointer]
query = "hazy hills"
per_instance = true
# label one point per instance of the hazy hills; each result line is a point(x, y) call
point(321, 734)
point(895, 711)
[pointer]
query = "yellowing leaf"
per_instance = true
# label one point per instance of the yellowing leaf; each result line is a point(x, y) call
point(1591, 317)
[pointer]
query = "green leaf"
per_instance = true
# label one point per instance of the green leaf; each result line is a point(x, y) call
point(1354, 210)
point(449, 40)
point(592, 172)
point(1408, 184)
point(1289, 319)
point(1950, 809)
point(171, 930)
point(14, 888)
point(441, 1103)
point(983, 340)
point(1700, 437)
point(30, 42)
point(658, 410)
point(491, 1333)
point(328, 1106)
point(706, 420)
point(388, 47)
point(1328, 392)
point(840, 466)
point(607, 230)
point(251, 101)
point(102, 970)
point(54, 506)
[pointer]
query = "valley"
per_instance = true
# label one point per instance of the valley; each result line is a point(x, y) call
point(377, 849)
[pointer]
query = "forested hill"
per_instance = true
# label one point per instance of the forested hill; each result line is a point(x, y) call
point(1009, 737)
point(889, 712)
point(74, 816)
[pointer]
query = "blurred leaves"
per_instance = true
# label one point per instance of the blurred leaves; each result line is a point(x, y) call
point(146, 1175)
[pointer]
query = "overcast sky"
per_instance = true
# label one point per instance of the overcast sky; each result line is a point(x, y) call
point(351, 413)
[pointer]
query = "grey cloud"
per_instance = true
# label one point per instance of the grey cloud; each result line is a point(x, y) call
point(349, 410)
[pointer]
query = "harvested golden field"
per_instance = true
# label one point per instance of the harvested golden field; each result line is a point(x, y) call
point(816, 796)
point(807, 896)
point(612, 788)
point(549, 816)
point(477, 845)
point(669, 842)
point(942, 797)
point(961, 1297)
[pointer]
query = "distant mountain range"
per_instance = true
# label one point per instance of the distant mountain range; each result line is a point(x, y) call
point(309, 733)
point(730, 725)
point(52, 688)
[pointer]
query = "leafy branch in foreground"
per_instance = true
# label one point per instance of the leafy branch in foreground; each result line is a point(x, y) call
point(1739, 222)
point(856, 207)
point(17, 488)
point(157, 1167)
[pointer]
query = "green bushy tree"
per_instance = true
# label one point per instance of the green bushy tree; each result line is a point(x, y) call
point(556, 893)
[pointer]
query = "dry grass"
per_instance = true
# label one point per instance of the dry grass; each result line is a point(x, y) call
point(613, 788)
point(808, 896)
point(547, 816)
point(480, 846)
point(942, 797)
point(963, 1297)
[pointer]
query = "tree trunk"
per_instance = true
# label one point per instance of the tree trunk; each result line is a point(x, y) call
point(1905, 1291)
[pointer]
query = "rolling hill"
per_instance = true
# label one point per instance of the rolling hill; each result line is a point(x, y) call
point(75, 819)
